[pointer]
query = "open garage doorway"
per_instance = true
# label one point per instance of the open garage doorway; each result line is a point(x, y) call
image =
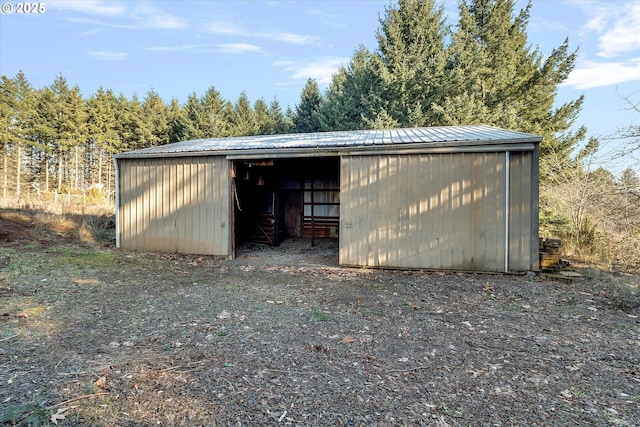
point(280, 199)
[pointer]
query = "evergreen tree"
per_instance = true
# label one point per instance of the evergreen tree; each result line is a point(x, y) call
point(354, 98)
point(306, 115)
point(411, 60)
point(45, 133)
point(68, 125)
point(214, 122)
point(398, 84)
point(277, 118)
point(244, 119)
point(130, 122)
point(156, 116)
point(103, 137)
point(206, 116)
point(194, 118)
point(263, 120)
point(177, 122)
point(23, 125)
point(494, 77)
point(8, 112)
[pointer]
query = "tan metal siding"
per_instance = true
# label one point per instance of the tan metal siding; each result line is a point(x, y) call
point(441, 211)
point(175, 205)
point(522, 219)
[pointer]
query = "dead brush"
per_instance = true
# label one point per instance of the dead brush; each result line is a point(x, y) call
point(86, 225)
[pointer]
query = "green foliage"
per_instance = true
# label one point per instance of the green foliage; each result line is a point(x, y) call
point(318, 315)
point(53, 139)
point(177, 122)
point(411, 60)
point(154, 128)
point(26, 415)
point(306, 115)
point(354, 97)
point(278, 122)
point(483, 71)
point(552, 223)
point(244, 121)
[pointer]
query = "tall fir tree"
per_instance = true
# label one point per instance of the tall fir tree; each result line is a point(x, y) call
point(495, 77)
point(130, 122)
point(355, 98)
point(244, 118)
point(156, 116)
point(399, 83)
point(277, 118)
point(263, 121)
point(195, 118)
point(177, 122)
point(23, 125)
point(306, 113)
point(103, 138)
point(411, 60)
point(45, 133)
point(68, 122)
point(206, 116)
point(214, 121)
point(8, 112)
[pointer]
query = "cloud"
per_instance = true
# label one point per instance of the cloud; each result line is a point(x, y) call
point(238, 48)
point(140, 16)
point(623, 36)
point(321, 70)
point(223, 28)
point(598, 74)
point(612, 27)
point(299, 39)
point(108, 55)
point(190, 47)
point(232, 29)
point(150, 17)
point(91, 7)
point(615, 24)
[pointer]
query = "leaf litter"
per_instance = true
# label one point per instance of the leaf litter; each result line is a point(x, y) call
point(285, 336)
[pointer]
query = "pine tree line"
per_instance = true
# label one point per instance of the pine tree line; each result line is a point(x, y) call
point(53, 139)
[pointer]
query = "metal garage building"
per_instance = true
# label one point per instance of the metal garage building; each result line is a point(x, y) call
point(457, 198)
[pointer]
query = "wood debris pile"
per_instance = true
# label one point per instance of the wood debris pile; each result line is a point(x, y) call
point(550, 250)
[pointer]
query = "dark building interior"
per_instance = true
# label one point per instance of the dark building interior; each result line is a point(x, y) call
point(276, 199)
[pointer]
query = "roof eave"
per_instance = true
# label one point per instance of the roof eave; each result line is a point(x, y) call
point(517, 144)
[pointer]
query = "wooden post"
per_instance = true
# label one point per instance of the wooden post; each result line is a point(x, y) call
point(313, 225)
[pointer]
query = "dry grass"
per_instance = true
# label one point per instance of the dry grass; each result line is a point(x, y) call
point(79, 223)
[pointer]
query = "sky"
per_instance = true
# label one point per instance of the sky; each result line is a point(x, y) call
point(269, 49)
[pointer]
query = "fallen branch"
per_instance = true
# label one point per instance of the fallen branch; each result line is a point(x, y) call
point(75, 398)
point(8, 338)
point(417, 368)
point(173, 368)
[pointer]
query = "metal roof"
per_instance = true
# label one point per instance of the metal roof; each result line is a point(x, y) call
point(358, 139)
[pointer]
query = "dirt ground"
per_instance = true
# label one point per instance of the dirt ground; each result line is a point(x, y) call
point(92, 335)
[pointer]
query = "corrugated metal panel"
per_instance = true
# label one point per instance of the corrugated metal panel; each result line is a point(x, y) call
point(523, 230)
point(441, 211)
point(465, 135)
point(175, 205)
